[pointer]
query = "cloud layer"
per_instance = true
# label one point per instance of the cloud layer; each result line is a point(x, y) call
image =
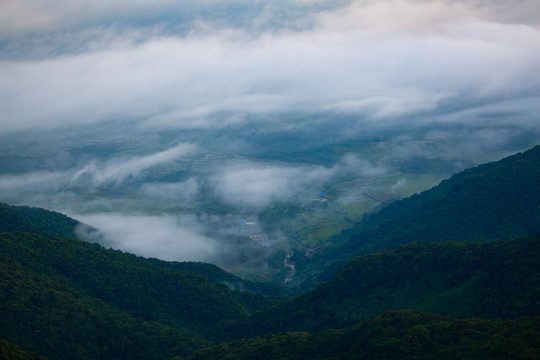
point(384, 62)
point(254, 186)
point(177, 78)
point(165, 237)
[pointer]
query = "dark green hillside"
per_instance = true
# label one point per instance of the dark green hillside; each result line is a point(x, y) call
point(48, 314)
point(395, 335)
point(10, 351)
point(217, 275)
point(67, 299)
point(488, 280)
point(36, 220)
point(499, 200)
point(494, 201)
point(63, 297)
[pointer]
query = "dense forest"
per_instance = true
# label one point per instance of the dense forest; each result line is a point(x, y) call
point(498, 200)
point(67, 298)
point(400, 335)
point(451, 273)
point(498, 280)
point(494, 201)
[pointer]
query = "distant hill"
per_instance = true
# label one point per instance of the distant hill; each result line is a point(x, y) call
point(487, 280)
point(68, 299)
point(494, 201)
point(51, 223)
point(498, 200)
point(36, 220)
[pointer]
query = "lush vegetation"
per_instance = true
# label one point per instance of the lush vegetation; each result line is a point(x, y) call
point(489, 280)
point(494, 201)
point(10, 351)
point(36, 220)
point(218, 275)
point(499, 200)
point(67, 299)
point(395, 335)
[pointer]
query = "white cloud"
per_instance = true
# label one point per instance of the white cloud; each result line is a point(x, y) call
point(21, 16)
point(33, 183)
point(46, 187)
point(381, 61)
point(253, 186)
point(473, 65)
point(117, 169)
point(165, 237)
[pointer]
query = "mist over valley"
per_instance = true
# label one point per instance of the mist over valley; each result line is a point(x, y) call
point(240, 133)
point(300, 179)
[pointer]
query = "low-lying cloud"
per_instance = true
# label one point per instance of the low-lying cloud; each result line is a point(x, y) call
point(387, 62)
point(117, 169)
point(448, 79)
point(253, 186)
point(34, 187)
point(167, 237)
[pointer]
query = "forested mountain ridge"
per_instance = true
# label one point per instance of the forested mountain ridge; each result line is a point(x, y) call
point(51, 223)
point(63, 297)
point(36, 220)
point(498, 200)
point(403, 335)
point(68, 299)
point(49, 313)
point(217, 275)
point(10, 351)
point(488, 280)
point(495, 201)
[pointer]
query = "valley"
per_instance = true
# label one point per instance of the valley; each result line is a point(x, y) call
point(65, 298)
point(270, 180)
point(245, 211)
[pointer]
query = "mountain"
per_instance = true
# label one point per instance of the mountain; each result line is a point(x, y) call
point(36, 220)
point(64, 298)
point(427, 296)
point(487, 280)
point(10, 351)
point(494, 201)
point(51, 223)
point(217, 275)
point(404, 335)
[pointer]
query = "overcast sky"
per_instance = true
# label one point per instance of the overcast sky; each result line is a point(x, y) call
point(210, 64)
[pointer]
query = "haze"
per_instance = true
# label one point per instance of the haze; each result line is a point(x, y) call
point(177, 129)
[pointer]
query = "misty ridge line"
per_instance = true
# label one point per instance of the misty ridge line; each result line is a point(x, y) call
point(156, 218)
point(145, 92)
point(249, 186)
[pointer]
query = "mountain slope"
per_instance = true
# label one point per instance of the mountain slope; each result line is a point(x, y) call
point(494, 201)
point(10, 351)
point(217, 275)
point(36, 220)
point(64, 298)
point(45, 312)
point(489, 280)
point(395, 335)
point(498, 200)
